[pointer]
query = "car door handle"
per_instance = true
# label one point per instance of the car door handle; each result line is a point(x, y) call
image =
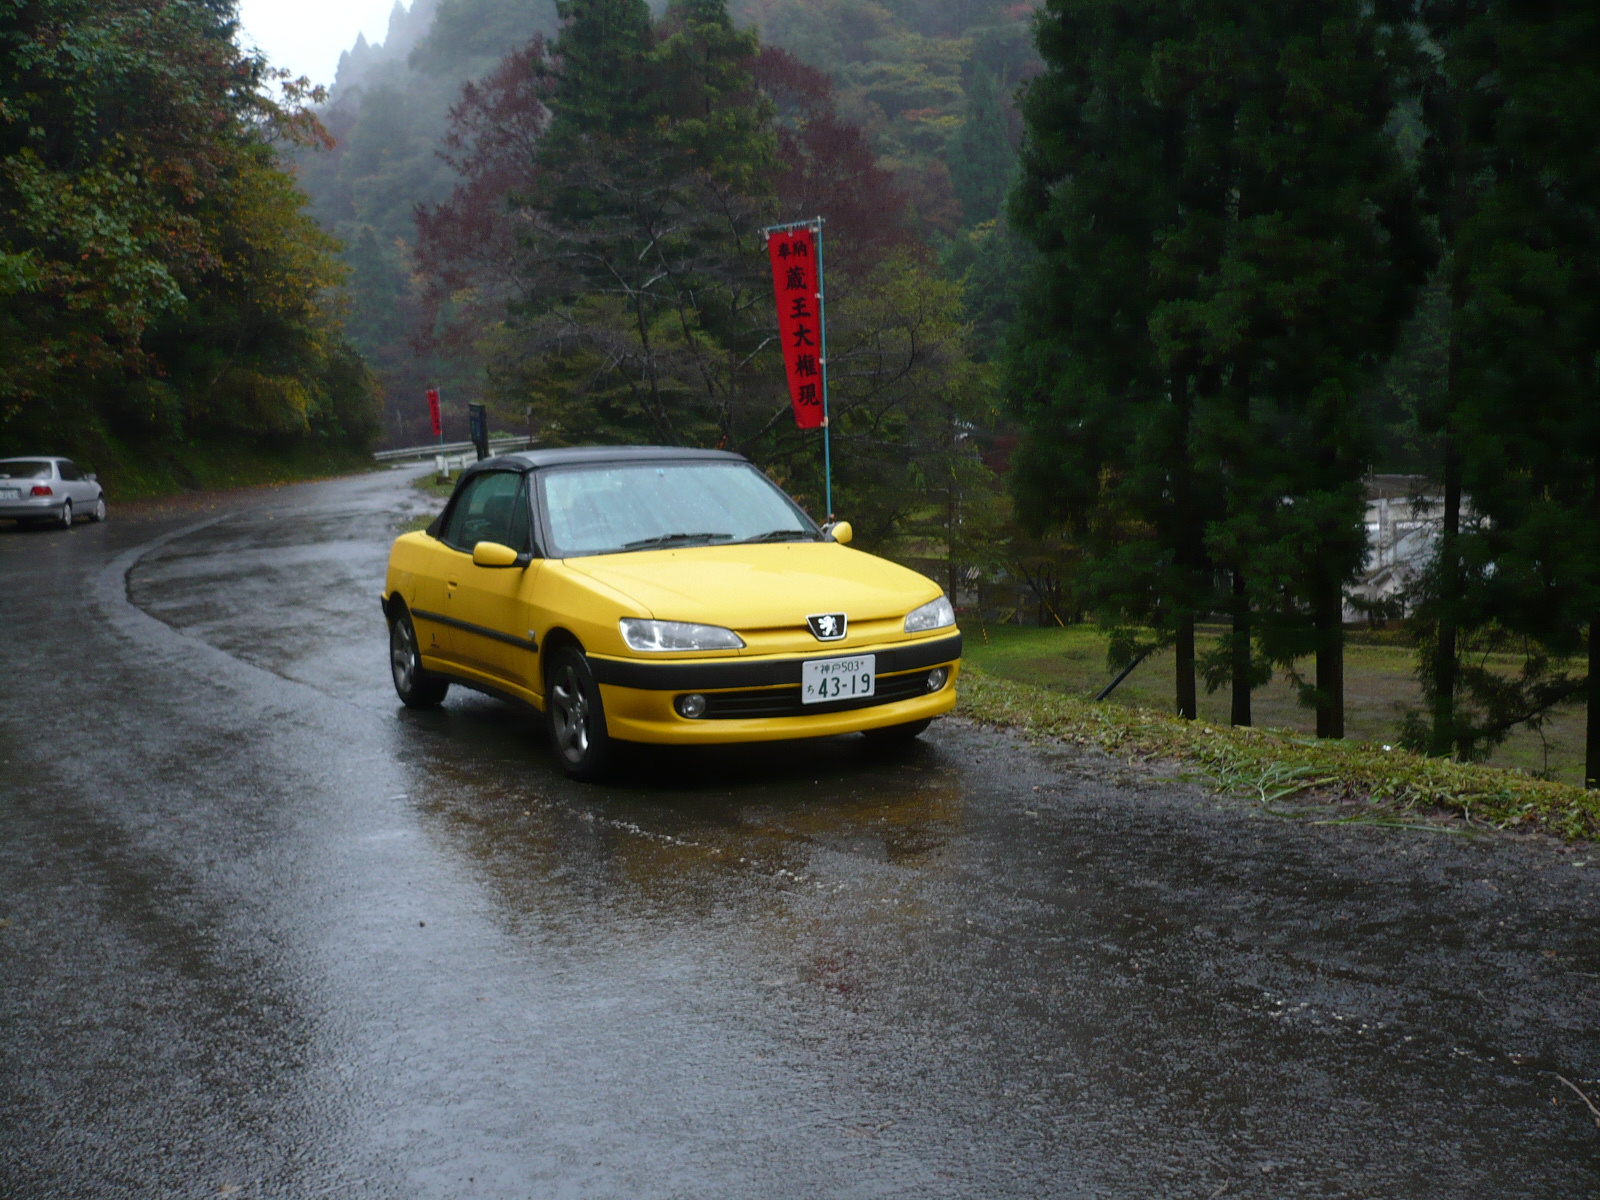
point(451, 583)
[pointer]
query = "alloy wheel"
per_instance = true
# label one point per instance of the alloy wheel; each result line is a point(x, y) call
point(571, 710)
point(402, 655)
point(66, 515)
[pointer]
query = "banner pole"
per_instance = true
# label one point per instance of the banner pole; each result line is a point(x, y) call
point(822, 325)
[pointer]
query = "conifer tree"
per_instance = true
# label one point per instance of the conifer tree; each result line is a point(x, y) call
point(981, 160)
point(1459, 100)
point(1321, 272)
point(1228, 244)
point(1105, 385)
point(1530, 397)
point(602, 85)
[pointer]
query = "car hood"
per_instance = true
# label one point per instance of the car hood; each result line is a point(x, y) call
point(762, 586)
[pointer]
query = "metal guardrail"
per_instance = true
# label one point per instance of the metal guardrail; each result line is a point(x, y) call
point(443, 464)
point(500, 444)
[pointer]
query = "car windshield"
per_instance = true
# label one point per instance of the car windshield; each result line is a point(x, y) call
point(19, 468)
point(611, 507)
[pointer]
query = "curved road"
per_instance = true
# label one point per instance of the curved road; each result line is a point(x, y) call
point(267, 934)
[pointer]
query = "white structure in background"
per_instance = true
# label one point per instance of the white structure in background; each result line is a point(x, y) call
point(1405, 514)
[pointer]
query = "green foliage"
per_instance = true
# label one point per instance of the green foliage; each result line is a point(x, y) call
point(1229, 243)
point(981, 160)
point(988, 259)
point(930, 83)
point(629, 296)
point(1507, 167)
point(159, 275)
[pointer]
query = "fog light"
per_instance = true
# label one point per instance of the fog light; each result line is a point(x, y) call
point(937, 678)
point(691, 706)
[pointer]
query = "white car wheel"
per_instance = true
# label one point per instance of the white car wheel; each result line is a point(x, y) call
point(99, 511)
point(66, 514)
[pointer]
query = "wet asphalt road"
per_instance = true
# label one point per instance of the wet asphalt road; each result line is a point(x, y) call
point(268, 934)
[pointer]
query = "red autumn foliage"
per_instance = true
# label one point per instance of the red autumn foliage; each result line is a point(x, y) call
point(467, 244)
point(469, 240)
point(828, 167)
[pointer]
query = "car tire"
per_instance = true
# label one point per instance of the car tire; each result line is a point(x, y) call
point(897, 735)
point(98, 512)
point(416, 687)
point(575, 716)
point(65, 519)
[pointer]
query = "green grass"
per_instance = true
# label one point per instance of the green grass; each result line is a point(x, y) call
point(431, 485)
point(1344, 782)
point(1380, 681)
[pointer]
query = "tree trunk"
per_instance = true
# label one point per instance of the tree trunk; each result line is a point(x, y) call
point(1444, 652)
point(1591, 749)
point(1330, 662)
point(1183, 668)
point(1241, 652)
point(1444, 740)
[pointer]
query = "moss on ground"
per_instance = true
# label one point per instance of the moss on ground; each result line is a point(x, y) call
point(1272, 766)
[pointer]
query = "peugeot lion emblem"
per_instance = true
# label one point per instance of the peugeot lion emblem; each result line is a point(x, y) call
point(828, 627)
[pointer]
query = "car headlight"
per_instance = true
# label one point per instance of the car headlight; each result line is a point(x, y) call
point(665, 636)
point(935, 614)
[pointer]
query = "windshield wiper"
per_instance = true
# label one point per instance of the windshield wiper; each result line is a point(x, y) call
point(779, 535)
point(672, 539)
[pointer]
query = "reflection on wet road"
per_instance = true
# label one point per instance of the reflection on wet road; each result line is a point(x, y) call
point(271, 935)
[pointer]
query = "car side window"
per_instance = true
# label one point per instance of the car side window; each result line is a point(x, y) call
point(69, 471)
point(492, 508)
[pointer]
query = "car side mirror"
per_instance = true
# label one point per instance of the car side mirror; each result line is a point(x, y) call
point(841, 532)
point(92, 477)
point(493, 554)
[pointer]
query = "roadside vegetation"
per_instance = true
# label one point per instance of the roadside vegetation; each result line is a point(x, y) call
point(1293, 775)
point(1380, 682)
point(169, 313)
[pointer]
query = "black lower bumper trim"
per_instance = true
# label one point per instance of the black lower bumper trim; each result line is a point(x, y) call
point(783, 672)
point(785, 701)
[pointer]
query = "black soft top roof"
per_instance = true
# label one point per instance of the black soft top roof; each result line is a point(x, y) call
point(530, 460)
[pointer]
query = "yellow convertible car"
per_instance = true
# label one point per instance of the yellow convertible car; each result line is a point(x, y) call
point(648, 594)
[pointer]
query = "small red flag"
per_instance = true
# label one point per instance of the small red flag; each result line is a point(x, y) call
point(794, 282)
point(433, 412)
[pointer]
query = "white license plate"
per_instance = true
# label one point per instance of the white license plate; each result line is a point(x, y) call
point(825, 679)
point(10, 494)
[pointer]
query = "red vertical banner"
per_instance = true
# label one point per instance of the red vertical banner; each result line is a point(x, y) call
point(433, 412)
point(794, 282)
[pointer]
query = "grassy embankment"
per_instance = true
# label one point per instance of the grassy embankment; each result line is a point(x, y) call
point(134, 472)
point(1038, 681)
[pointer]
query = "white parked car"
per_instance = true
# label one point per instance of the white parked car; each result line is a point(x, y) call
point(45, 488)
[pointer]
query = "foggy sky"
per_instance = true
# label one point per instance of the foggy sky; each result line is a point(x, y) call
point(307, 36)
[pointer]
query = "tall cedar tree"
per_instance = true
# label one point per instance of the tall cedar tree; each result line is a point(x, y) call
point(1529, 401)
point(1227, 245)
point(640, 234)
point(1109, 423)
point(614, 284)
point(1459, 103)
point(1322, 258)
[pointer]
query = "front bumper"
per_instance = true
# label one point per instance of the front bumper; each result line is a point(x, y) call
point(639, 696)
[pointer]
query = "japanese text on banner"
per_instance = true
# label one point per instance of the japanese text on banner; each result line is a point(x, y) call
point(794, 282)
